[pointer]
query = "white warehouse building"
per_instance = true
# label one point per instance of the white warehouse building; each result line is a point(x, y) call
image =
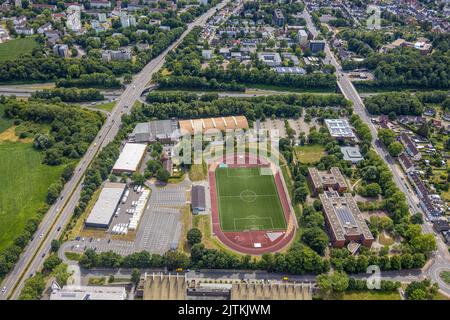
point(130, 158)
point(106, 205)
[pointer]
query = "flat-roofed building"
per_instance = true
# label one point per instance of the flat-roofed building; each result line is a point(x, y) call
point(106, 205)
point(271, 291)
point(159, 286)
point(278, 17)
point(344, 221)
point(352, 154)
point(130, 158)
point(302, 38)
point(89, 293)
point(340, 129)
point(164, 131)
point(317, 45)
point(221, 123)
point(271, 59)
point(321, 180)
point(290, 70)
point(198, 199)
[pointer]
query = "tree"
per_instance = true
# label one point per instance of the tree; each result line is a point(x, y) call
point(386, 136)
point(176, 259)
point(194, 236)
point(300, 194)
point(60, 273)
point(55, 245)
point(424, 130)
point(417, 218)
point(51, 262)
point(371, 190)
point(316, 239)
point(424, 243)
point(135, 276)
point(395, 148)
point(163, 175)
point(370, 173)
point(421, 290)
point(335, 282)
point(53, 192)
point(138, 179)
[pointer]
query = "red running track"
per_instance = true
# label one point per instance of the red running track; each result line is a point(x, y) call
point(244, 241)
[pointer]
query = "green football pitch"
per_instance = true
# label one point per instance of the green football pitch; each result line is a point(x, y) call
point(248, 200)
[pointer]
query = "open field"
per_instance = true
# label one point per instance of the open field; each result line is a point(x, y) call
point(309, 153)
point(24, 180)
point(13, 49)
point(248, 200)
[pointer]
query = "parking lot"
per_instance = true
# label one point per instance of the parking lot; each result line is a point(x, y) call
point(298, 125)
point(124, 215)
point(158, 231)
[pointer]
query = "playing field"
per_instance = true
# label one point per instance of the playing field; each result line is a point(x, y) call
point(248, 200)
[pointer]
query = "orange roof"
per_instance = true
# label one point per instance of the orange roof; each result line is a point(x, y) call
point(220, 123)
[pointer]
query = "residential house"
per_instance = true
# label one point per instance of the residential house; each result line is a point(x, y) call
point(410, 147)
point(45, 28)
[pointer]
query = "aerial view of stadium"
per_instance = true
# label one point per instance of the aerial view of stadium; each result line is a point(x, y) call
point(249, 203)
point(248, 200)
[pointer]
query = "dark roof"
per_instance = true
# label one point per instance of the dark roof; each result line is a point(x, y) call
point(405, 160)
point(198, 197)
point(409, 144)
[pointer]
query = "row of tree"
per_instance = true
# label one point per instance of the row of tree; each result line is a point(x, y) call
point(299, 259)
point(253, 108)
point(69, 95)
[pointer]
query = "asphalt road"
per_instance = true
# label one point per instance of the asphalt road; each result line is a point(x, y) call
point(60, 213)
point(27, 92)
point(401, 276)
point(442, 257)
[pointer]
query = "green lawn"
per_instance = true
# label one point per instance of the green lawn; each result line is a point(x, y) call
point(4, 123)
point(248, 200)
point(445, 275)
point(309, 153)
point(24, 181)
point(197, 172)
point(13, 49)
point(106, 106)
point(369, 295)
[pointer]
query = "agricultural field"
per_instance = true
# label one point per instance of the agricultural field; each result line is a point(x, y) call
point(309, 153)
point(248, 200)
point(13, 49)
point(24, 180)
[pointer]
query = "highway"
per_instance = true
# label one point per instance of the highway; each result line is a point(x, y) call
point(441, 258)
point(59, 214)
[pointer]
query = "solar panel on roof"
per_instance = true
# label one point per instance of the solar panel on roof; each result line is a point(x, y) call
point(345, 216)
